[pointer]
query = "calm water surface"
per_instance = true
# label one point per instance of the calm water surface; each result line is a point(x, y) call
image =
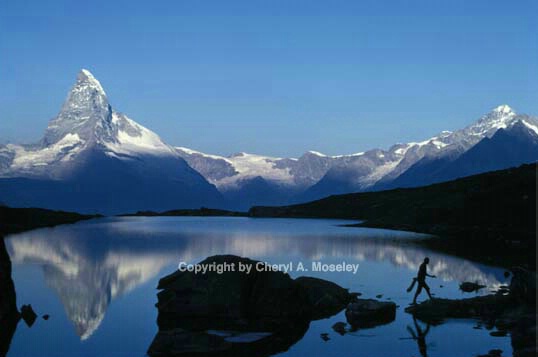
point(97, 280)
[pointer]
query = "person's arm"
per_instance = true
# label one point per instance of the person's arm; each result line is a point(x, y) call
point(431, 276)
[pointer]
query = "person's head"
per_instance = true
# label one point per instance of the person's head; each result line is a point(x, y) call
point(426, 260)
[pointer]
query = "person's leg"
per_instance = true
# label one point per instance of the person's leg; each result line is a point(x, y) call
point(419, 289)
point(427, 288)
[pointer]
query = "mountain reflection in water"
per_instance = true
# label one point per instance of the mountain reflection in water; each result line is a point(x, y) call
point(90, 264)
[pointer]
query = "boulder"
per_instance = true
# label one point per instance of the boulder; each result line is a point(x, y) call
point(365, 313)
point(260, 300)
point(263, 303)
point(325, 298)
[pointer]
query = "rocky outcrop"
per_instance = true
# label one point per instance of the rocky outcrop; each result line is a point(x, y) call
point(234, 313)
point(513, 313)
point(523, 285)
point(435, 311)
point(9, 315)
point(365, 313)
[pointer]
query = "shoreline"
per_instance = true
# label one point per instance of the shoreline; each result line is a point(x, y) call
point(17, 220)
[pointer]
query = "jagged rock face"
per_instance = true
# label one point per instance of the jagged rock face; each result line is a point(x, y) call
point(308, 168)
point(86, 112)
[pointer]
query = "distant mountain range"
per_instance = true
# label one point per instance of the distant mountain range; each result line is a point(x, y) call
point(500, 139)
point(95, 159)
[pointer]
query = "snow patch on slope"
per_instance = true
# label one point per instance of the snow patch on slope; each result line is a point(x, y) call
point(194, 152)
point(251, 165)
point(63, 150)
point(133, 138)
point(530, 126)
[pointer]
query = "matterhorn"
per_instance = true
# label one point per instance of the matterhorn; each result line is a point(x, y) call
point(95, 159)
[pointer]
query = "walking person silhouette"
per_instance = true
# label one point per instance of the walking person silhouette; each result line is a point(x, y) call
point(421, 280)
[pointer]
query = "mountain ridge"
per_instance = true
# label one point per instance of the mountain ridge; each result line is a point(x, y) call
point(89, 135)
point(321, 175)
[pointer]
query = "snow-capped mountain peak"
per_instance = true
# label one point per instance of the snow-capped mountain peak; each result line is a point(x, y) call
point(86, 121)
point(85, 112)
point(95, 158)
point(86, 78)
point(504, 109)
point(498, 118)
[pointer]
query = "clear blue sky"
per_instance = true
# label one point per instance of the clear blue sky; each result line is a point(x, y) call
point(275, 77)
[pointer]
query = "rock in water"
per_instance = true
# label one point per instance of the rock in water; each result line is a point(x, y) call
point(340, 327)
point(28, 315)
point(326, 298)
point(493, 353)
point(469, 287)
point(366, 313)
point(268, 303)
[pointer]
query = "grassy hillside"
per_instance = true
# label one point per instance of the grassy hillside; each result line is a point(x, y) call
point(495, 211)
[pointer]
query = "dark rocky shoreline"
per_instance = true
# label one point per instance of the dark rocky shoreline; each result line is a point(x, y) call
point(261, 314)
point(512, 312)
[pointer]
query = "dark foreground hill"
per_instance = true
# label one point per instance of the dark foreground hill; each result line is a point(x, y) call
point(492, 213)
point(14, 220)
